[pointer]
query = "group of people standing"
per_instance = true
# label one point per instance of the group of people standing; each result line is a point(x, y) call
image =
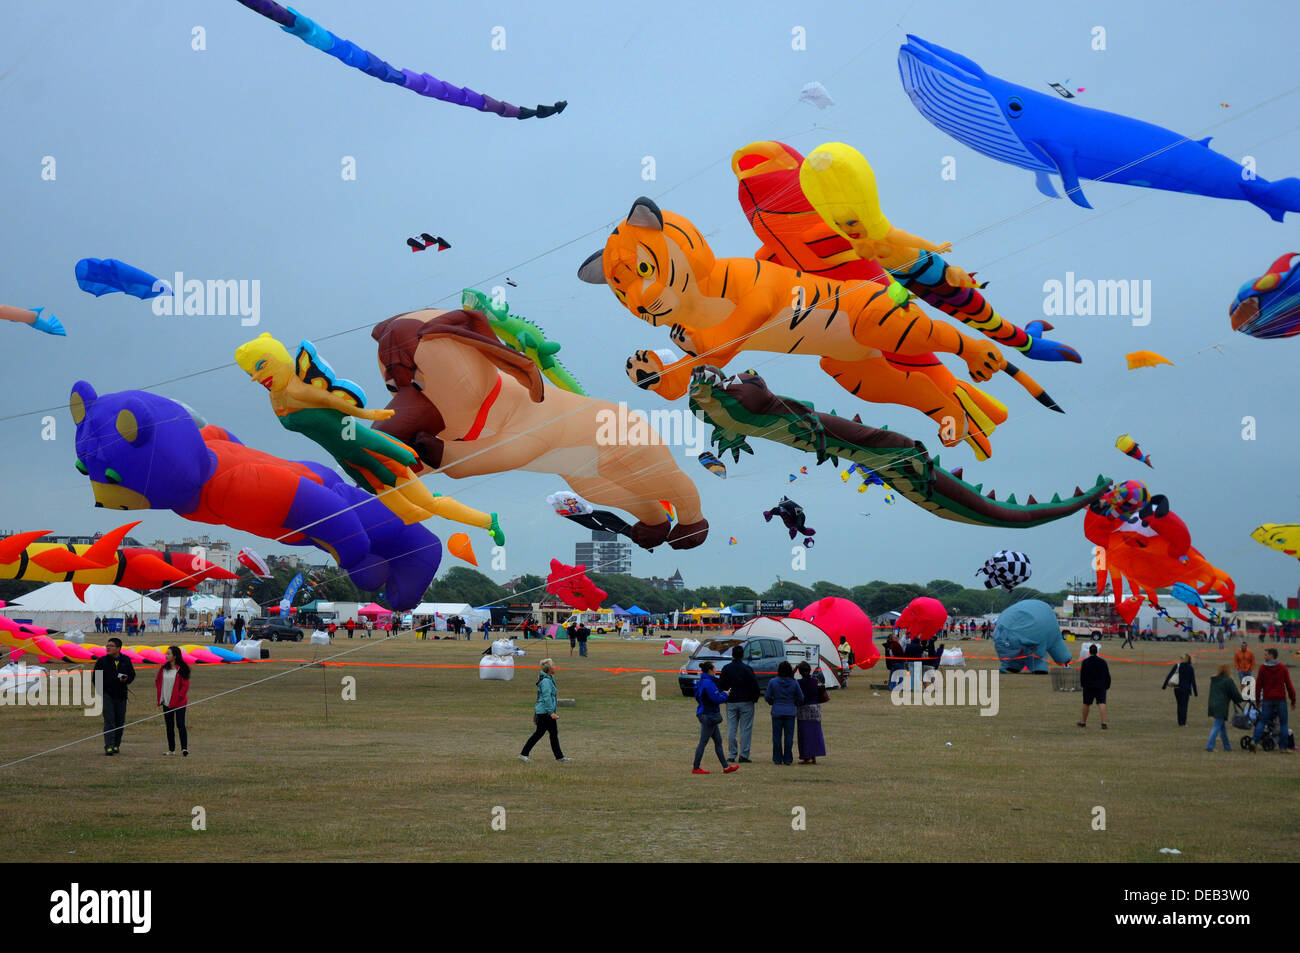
point(578, 635)
point(171, 686)
point(130, 624)
point(793, 703)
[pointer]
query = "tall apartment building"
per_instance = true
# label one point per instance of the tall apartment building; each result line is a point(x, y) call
point(606, 552)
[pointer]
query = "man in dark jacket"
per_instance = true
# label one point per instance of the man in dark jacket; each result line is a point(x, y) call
point(114, 672)
point(1094, 679)
point(583, 634)
point(741, 685)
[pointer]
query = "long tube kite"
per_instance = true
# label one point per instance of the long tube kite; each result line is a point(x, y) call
point(313, 34)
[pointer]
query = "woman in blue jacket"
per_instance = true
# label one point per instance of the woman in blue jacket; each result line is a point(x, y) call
point(544, 713)
point(785, 697)
point(1184, 681)
point(709, 697)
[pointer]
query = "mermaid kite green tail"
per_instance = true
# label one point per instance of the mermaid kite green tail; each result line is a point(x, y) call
point(523, 336)
point(742, 406)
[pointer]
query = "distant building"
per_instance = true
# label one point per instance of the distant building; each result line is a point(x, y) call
point(673, 583)
point(606, 552)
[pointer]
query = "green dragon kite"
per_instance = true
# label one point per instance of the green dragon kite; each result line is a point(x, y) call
point(742, 406)
point(523, 336)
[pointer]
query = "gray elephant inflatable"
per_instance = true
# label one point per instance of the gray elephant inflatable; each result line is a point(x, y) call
point(1027, 635)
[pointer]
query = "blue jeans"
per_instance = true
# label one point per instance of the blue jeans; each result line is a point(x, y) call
point(1267, 712)
point(740, 726)
point(783, 739)
point(582, 647)
point(1219, 730)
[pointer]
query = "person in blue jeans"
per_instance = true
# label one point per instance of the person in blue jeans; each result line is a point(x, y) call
point(709, 697)
point(785, 697)
point(1223, 693)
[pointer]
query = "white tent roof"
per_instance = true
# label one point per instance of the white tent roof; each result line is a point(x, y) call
point(443, 608)
point(59, 597)
point(211, 603)
point(799, 630)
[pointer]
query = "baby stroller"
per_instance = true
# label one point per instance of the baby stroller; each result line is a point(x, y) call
point(1271, 736)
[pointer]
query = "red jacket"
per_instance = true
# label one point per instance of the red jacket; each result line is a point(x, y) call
point(1273, 683)
point(180, 691)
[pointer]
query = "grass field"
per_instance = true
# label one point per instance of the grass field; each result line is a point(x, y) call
point(413, 768)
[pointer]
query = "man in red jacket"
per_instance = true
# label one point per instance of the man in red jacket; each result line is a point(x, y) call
point(1273, 688)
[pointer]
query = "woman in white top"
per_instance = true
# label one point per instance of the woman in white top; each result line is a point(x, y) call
point(173, 683)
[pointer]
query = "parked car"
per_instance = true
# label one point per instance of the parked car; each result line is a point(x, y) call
point(274, 628)
point(763, 655)
point(1083, 628)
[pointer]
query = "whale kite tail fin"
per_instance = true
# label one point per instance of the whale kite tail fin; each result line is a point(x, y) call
point(1276, 198)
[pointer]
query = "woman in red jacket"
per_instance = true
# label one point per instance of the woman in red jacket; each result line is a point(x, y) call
point(173, 683)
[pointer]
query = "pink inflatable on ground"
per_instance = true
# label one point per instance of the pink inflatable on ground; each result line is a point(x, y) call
point(150, 654)
point(73, 652)
point(842, 617)
point(671, 648)
point(923, 617)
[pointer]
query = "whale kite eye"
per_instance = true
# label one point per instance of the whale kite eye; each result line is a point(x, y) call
point(1015, 107)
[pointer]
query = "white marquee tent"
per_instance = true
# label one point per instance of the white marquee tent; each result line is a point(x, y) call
point(56, 606)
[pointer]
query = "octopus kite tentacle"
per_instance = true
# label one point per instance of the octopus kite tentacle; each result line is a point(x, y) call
point(313, 34)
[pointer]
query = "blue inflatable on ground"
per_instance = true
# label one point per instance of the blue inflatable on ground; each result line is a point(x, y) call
point(1047, 134)
point(1027, 634)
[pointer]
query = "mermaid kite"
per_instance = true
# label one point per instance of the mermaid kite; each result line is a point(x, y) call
point(308, 398)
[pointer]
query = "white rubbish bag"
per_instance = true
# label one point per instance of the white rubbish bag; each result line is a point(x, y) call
point(504, 647)
point(250, 649)
point(689, 646)
point(320, 637)
point(952, 657)
point(499, 667)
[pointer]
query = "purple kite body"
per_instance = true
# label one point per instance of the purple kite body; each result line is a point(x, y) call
point(313, 34)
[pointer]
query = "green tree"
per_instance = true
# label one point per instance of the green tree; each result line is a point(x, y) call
point(462, 584)
point(1255, 602)
point(800, 595)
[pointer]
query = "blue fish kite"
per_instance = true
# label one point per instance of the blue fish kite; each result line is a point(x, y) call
point(1185, 593)
point(1047, 134)
point(101, 276)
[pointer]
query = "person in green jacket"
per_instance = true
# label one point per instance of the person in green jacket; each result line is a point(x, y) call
point(544, 714)
point(1222, 691)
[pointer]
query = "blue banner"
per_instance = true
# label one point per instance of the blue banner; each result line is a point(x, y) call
point(288, 596)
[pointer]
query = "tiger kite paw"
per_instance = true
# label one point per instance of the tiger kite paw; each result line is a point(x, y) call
point(643, 369)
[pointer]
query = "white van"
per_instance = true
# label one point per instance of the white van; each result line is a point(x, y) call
point(598, 622)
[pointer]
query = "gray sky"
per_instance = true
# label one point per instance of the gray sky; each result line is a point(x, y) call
point(225, 163)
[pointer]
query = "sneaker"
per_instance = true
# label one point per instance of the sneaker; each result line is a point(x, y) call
point(732, 760)
point(1082, 724)
point(168, 754)
point(731, 767)
point(525, 758)
point(185, 752)
point(1104, 725)
point(564, 760)
point(745, 761)
point(698, 771)
point(108, 752)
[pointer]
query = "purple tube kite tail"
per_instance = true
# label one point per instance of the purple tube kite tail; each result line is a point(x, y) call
point(313, 34)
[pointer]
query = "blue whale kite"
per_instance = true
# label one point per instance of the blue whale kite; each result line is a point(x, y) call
point(1047, 134)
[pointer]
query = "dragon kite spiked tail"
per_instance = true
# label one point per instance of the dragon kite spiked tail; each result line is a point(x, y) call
point(742, 406)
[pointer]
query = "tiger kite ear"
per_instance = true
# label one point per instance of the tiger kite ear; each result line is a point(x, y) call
point(591, 270)
point(645, 214)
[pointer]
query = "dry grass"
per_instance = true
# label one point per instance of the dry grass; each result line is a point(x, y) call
point(414, 767)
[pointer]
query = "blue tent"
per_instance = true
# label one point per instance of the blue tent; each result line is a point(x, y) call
point(637, 610)
point(619, 611)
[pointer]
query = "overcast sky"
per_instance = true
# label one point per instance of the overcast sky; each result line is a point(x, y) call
point(225, 163)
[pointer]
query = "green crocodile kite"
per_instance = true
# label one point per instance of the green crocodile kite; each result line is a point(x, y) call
point(742, 406)
point(523, 336)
